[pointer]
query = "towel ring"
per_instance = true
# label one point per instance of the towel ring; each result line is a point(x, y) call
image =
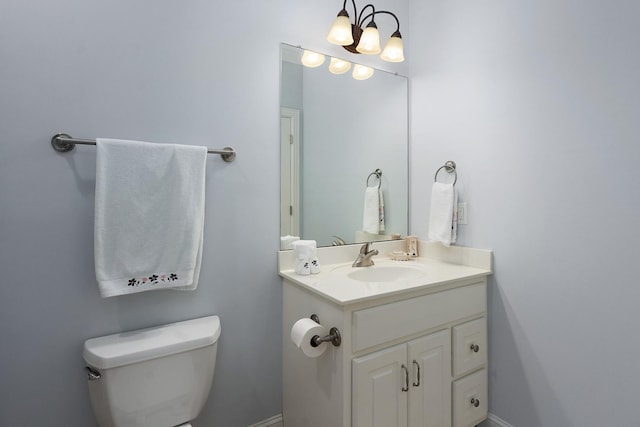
point(450, 167)
point(378, 174)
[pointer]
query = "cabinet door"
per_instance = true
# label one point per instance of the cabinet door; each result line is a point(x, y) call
point(378, 398)
point(430, 362)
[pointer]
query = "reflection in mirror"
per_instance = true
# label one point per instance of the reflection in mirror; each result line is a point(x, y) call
point(336, 131)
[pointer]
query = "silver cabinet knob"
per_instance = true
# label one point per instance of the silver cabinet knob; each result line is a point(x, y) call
point(475, 402)
point(475, 348)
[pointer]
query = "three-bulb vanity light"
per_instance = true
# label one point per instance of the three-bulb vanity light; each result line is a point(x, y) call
point(336, 66)
point(355, 40)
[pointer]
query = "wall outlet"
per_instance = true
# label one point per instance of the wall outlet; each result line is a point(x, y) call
point(463, 213)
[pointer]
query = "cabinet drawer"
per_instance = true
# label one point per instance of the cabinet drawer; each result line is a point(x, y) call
point(469, 346)
point(470, 399)
point(377, 325)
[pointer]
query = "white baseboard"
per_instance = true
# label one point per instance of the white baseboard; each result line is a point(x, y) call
point(493, 421)
point(275, 421)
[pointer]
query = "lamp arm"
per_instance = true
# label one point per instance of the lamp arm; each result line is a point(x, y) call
point(361, 19)
point(383, 11)
point(355, 10)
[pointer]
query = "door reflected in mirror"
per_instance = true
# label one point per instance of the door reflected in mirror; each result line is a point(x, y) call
point(336, 131)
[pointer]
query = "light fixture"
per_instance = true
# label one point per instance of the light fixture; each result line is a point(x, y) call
point(354, 39)
point(340, 32)
point(312, 59)
point(339, 66)
point(362, 72)
point(370, 40)
point(393, 51)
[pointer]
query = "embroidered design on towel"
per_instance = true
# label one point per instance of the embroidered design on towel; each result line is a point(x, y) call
point(153, 279)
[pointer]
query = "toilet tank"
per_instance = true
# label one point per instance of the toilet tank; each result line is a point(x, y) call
point(154, 377)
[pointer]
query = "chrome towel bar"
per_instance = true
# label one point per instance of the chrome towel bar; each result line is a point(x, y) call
point(378, 174)
point(62, 143)
point(450, 167)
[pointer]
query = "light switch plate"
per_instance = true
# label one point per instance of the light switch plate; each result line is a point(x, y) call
point(463, 213)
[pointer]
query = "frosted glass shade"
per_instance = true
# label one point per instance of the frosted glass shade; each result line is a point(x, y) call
point(339, 66)
point(369, 41)
point(393, 51)
point(340, 32)
point(361, 72)
point(312, 59)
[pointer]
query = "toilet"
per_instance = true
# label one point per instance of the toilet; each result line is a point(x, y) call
point(155, 377)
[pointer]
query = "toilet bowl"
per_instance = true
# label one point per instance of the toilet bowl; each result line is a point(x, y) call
point(154, 377)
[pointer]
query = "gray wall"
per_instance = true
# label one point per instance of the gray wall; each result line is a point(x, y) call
point(195, 72)
point(538, 103)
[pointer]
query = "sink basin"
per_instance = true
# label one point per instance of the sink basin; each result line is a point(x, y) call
point(386, 273)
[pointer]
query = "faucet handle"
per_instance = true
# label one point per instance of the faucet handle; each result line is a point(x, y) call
point(365, 248)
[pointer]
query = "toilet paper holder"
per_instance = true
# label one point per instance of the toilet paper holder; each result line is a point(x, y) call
point(334, 336)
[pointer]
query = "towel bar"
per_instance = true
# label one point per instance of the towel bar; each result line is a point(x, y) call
point(450, 167)
point(378, 174)
point(62, 143)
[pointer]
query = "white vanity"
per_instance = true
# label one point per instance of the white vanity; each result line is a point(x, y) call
point(414, 340)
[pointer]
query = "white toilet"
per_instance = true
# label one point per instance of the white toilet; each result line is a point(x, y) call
point(155, 377)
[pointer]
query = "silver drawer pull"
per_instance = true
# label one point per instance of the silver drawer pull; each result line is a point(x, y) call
point(417, 384)
point(475, 348)
point(406, 378)
point(475, 402)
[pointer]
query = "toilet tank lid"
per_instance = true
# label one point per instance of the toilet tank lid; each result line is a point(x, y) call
point(135, 346)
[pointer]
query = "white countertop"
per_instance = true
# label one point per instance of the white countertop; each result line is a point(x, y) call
point(436, 266)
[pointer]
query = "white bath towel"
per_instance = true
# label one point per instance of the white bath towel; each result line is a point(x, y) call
point(149, 216)
point(373, 211)
point(443, 215)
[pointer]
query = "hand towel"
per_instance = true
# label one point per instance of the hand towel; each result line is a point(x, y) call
point(303, 267)
point(371, 214)
point(304, 249)
point(306, 260)
point(442, 218)
point(314, 265)
point(149, 216)
point(380, 211)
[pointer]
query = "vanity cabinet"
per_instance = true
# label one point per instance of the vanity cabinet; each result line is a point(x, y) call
point(414, 359)
point(405, 385)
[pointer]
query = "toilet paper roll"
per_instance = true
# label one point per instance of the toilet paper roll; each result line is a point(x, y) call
point(302, 332)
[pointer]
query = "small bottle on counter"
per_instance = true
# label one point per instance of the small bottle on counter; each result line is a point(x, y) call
point(412, 246)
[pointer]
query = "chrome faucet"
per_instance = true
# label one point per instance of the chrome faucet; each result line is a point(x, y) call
point(364, 257)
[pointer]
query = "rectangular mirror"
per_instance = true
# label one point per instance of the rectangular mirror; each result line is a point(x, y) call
point(336, 131)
